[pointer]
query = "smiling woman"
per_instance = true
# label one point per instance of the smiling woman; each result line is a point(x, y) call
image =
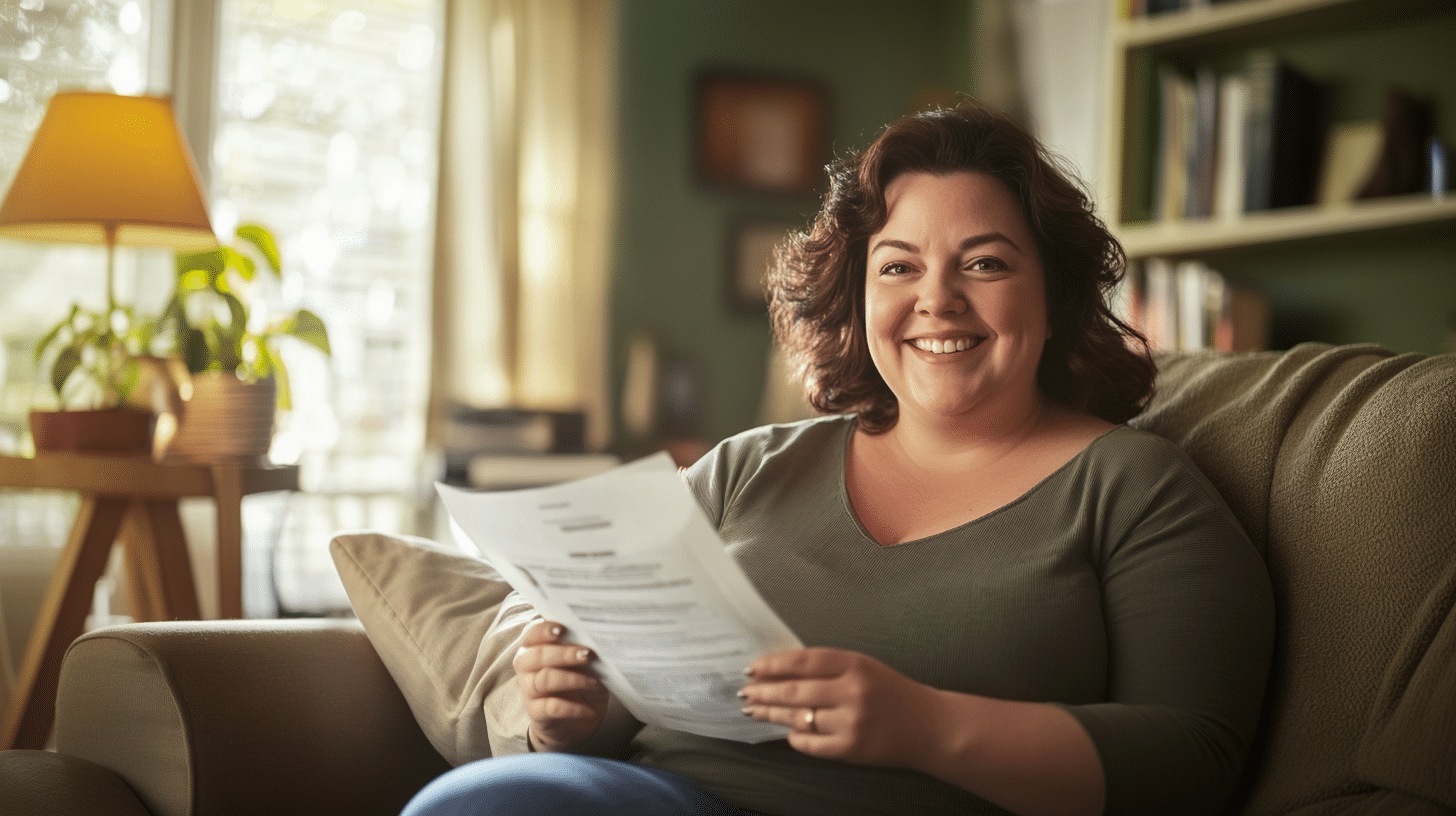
point(818, 309)
point(1010, 602)
point(955, 310)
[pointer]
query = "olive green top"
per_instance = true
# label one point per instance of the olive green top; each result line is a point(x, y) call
point(1120, 587)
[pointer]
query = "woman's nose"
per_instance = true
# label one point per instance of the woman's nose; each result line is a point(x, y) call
point(939, 294)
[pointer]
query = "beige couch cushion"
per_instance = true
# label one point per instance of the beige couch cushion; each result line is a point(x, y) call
point(1341, 463)
point(447, 628)
point(429, 609)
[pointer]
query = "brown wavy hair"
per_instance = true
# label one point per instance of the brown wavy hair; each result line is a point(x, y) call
point(1093, 361)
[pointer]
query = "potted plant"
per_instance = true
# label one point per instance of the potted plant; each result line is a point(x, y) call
point(91, 359)
point(236, 378)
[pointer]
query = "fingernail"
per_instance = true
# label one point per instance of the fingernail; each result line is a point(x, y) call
point(747, 712)
point(556, 631)
point(748, 672)
point(742, 694)
point(581, 654)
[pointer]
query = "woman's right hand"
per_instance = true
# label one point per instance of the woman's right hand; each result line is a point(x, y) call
point(564, 697)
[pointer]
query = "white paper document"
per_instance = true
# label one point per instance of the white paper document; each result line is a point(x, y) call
point(629, 564)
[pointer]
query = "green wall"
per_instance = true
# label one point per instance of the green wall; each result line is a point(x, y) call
point(878, 61)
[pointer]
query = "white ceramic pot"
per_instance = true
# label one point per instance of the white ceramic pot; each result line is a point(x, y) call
point(224, 420)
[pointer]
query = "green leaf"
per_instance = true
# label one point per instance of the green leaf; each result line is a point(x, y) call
point(260, 237)
point(211, 261)
point(192, 345)
point(195, 280)
point(66, 362)
point(265, 362)
point(237, 261)
point(55, 332)
point(220, 353)
point(308, 327)
point(238, 324)
point(284, 391)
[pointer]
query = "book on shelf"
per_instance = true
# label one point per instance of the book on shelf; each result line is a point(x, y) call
point(1405, 162)
point(1188, 131)
point(1188, 306)
point(1159, 303)
point(1203, 149)
point(1285, 134)
point(1351, 153)
point(468, 432)
point(1233, 108)
point(1177, 132)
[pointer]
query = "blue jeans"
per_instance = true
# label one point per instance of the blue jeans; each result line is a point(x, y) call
point(564, 785)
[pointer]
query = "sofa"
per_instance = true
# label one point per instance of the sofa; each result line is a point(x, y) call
point(1339, 460)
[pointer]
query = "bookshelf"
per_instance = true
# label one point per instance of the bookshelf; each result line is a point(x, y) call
point(1222, 35)
point(1393, 216)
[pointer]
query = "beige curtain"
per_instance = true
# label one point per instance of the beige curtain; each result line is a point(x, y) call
point(525, 188)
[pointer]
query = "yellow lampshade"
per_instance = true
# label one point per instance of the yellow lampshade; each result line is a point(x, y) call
point(102, 163)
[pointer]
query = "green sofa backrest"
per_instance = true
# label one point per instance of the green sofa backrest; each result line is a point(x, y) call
point(1341, 464)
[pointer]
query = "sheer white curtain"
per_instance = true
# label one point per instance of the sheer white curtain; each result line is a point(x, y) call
point(525, 188)
point(1063, 67)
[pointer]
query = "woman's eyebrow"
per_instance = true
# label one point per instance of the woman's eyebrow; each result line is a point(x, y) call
point(903, 246)
point(987, 238)
point(969, 243)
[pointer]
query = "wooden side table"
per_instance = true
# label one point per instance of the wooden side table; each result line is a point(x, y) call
point(134, 500)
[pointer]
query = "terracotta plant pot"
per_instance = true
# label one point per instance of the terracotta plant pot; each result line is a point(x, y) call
point(224, 420)
point(113, 431)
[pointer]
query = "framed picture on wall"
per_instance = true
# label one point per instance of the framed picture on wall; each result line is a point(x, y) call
point(750, 251)
point(761, 132)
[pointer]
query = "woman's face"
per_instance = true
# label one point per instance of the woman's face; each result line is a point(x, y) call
point(955, 298)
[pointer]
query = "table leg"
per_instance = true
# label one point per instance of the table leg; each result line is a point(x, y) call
point(227, 486)
point(157, 548)
point(144, 580)
point(61, 618)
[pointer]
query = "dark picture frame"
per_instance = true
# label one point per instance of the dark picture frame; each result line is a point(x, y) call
point(750, 251)
point(761, 132)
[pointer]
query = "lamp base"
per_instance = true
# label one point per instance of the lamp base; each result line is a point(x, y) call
point(113, 431)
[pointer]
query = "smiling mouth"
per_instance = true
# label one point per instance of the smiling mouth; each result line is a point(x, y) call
point(948, 345)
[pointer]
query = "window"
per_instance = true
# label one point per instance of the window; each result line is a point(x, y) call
point(46, 46)
point(324, 125)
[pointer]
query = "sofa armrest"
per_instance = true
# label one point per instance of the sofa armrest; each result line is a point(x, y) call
point(36, 783)
point(214, 718)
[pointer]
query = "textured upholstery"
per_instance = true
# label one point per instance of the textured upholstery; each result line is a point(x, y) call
point(1341, 463)
point(219, 718)
point(42, 782)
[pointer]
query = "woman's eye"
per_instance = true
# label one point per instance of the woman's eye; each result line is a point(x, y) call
point(987, 265)
point(894, 269)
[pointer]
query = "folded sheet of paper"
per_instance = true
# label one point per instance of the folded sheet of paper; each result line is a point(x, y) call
point(628, 563)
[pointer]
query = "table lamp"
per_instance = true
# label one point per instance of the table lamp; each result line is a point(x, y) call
point(108, 169)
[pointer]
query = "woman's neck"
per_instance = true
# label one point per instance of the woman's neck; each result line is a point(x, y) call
point(983, 436)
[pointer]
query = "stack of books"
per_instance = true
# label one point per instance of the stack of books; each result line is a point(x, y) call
point(1243, 142)
point(1188, 306)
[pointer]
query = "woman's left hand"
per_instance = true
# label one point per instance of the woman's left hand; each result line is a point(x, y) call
point(842, 705)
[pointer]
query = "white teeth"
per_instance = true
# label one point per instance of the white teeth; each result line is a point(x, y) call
point(937, 346)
